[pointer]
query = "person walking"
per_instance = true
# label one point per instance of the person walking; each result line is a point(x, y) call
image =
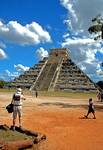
point(36, 93)
point(90, 109)
point(17, 106)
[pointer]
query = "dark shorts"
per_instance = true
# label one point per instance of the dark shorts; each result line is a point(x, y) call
point(91, 110)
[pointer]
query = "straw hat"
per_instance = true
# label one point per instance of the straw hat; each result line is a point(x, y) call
point(19, 90)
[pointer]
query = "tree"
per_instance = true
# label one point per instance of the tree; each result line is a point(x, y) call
point(2, 83)
point(100, 84)
point(97, 27)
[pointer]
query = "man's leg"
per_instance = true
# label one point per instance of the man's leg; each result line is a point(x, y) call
point(20, 116)
point(86, 116)
point(14, 117)
point(94, 115)
point(14, 122)
point(20, 124)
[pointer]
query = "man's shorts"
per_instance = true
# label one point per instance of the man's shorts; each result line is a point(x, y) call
point(91, 110)
point(17, 110)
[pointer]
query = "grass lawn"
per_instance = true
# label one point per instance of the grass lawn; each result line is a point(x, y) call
point(10, 135)
point(63, 94)
point(55, 93)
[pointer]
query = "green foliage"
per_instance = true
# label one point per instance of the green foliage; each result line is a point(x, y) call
point(97, 27)
point(66, 94)
point(2, 83)
point(10, 135)
point(100, 84)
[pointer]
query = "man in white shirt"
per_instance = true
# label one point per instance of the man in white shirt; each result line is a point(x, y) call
point(17, 106)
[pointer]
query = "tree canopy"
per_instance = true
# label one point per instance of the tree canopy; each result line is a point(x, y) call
point(97, 27)
point(3, 83)
point(100, 84)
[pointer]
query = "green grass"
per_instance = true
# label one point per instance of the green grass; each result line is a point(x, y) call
point(66, 94)
point(55, 93)
point(6, 90)
point(13, 135)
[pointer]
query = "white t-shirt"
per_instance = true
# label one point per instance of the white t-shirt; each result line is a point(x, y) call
point(17, 99)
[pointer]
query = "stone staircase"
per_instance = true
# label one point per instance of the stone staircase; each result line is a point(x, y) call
point(46, 76)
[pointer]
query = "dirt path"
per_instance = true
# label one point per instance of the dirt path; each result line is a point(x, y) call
point(61, 120)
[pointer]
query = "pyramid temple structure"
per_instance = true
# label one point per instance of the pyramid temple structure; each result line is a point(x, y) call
point(54, 73)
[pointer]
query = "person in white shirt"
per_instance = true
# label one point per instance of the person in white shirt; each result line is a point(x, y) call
point(17, 106)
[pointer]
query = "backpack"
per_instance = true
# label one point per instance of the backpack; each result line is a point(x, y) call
point(9, 108)
point(16, 97)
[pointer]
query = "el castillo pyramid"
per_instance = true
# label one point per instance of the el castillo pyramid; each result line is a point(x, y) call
point(54, 73)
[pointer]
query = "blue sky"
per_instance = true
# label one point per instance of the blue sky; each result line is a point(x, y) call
point(29, 28)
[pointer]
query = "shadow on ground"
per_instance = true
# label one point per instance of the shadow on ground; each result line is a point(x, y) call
point(69, 105)
point(63, 105)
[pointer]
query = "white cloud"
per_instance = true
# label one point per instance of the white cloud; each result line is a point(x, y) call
point(83, 48)
point(100, 72)
point(2, 54)
point(101, 50)
point(90, 56)
point(29, 34)
point(99, 69)
point(7, 75)
point(41, 52)
point(83, 10)
point(21, 68)
point(69, 41)
point(2, 45)
point(38, 30)
point(83, 68)
point(69, 6)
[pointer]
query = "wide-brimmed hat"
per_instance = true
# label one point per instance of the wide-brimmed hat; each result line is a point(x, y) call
point(19, 90)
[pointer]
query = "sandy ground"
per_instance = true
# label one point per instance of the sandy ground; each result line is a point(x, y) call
point(61, 119)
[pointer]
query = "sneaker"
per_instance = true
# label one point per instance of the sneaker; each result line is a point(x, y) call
point(85, 116)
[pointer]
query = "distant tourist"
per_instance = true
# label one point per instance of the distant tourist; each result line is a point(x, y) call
point(102, 96)
point(90, 109)
point(17, 106)
point(99, 95)
point(36, 93)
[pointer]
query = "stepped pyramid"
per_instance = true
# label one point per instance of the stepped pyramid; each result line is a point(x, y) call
point(57, 72)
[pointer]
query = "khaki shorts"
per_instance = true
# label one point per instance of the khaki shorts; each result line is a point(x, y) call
point(17, 110)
